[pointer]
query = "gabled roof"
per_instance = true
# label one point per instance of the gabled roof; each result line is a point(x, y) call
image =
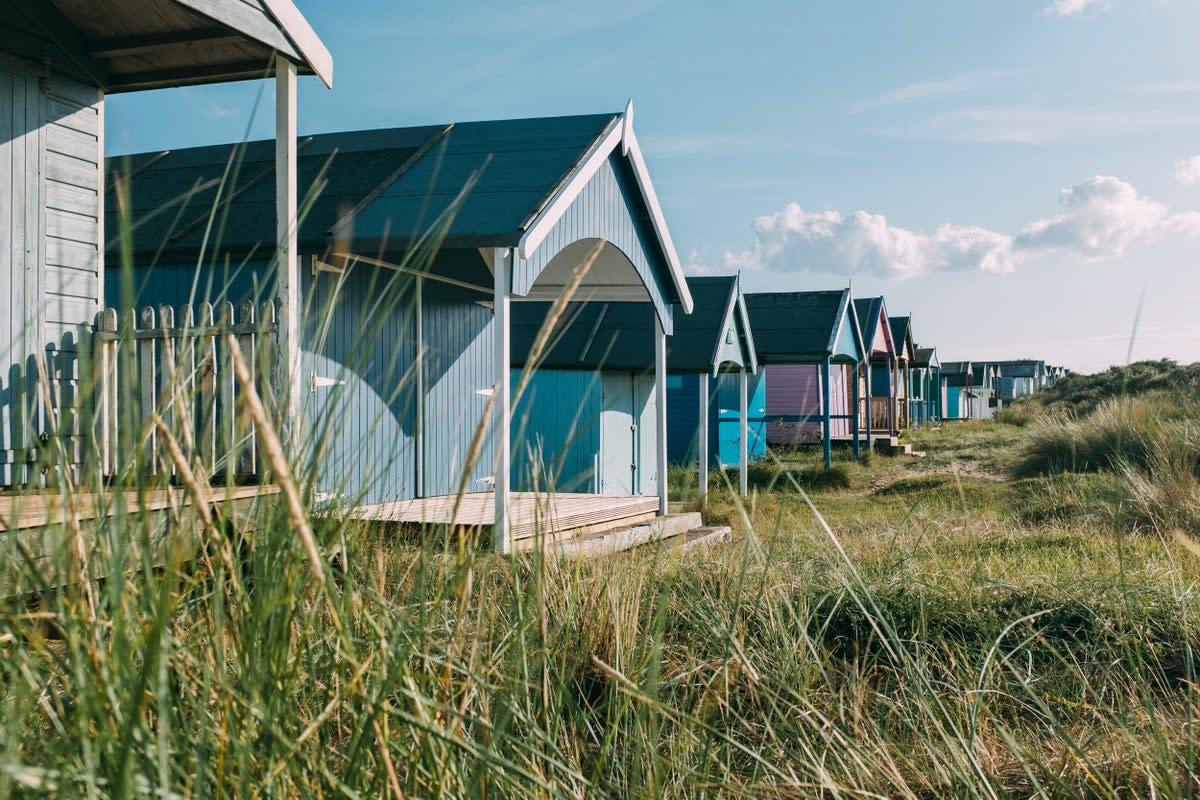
point(1023, 368)
point(621, 335)
point(926, 357)
point(495, 183)
point(871, 311)
point(799, 327)
point(901, 328)
point(956, 367)
point(125, 45)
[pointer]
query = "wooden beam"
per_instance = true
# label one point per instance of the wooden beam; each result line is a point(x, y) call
point(826, 429)
point(502, 398)
point(208, 73)
point(854, 409)
point(287, 269)
point(68, 41)
point(702, 434)
point(744, 432)
point(147, 45)
point(660, 411)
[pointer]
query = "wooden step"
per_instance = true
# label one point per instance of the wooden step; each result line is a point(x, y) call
point(614, 541)
point(700, 537)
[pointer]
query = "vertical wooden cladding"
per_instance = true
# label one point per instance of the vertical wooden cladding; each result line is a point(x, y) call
point(359, 383)
point(50, 144)
point(608, 209)
point(793, 403)
point(556, 431)
point(458, 377)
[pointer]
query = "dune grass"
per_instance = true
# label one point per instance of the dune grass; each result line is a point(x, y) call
point(921, 636)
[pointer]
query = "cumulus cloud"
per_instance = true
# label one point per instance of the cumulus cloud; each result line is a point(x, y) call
point(1188, 170)
point(1103, 217)
point(795, 239)
point(1067, 8)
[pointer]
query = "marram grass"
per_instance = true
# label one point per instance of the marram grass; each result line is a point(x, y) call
point(920, 638)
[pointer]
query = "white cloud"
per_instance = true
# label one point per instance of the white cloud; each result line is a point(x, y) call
point(1068, 8)
point(1103, 217)
point(1188, 170)
point(794, 239)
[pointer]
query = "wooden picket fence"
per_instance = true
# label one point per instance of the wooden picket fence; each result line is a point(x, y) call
point(175, 364)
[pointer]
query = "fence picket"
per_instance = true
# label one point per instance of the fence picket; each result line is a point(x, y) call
point(185, 375)
point(206, 415)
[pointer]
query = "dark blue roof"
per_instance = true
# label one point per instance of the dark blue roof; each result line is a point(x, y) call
point(621, 335)
point(398, 181)
point(795, 326)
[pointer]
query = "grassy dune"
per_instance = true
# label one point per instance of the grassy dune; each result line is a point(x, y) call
point(925, 628)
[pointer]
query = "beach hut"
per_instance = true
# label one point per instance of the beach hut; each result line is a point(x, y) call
point(926, 386)
point(957, 390)
point(416, 244)
point(884, 380)
point(591, 387)
point(58, 62)
point(810, 346)
point(1021, 378)
point(902, 340)
point(986, 380)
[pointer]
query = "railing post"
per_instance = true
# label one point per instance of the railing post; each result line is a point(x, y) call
point(147, 366)
point(106, 391)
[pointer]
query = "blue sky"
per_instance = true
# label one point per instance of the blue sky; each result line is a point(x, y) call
point(1014, 173)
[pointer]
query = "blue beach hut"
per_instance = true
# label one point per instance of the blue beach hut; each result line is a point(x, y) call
point(416, 243)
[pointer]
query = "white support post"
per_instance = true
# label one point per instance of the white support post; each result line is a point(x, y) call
point(702, 434)
point(501, 416)
point(744, 432)
point(287, 275)
point(660, 411)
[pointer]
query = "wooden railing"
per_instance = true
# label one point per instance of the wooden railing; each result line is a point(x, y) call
point(171, 369)
point(880, 419)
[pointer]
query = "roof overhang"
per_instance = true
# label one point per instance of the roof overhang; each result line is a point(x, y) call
point(618, 134)
point(131, 45)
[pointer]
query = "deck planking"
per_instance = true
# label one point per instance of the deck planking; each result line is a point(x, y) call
point(529, 513)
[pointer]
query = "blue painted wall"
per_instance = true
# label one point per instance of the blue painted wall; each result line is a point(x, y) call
point(365, 424)
point(556, 431)
point(728, 424)
point(683, 418)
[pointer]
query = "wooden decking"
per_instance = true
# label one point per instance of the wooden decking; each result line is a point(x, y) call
point(555, 515)
point(19, 511)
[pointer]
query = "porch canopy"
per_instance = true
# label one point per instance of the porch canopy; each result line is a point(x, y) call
point(810, 328)
point(716, 337)
point(126, 45)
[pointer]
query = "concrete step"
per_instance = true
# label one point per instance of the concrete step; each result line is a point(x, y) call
point(700, 537)
point(616, 540)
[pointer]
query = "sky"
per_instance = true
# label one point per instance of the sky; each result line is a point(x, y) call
point(1022, 176)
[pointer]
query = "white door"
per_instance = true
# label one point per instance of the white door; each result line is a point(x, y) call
point(618, 432)
point(647, 451)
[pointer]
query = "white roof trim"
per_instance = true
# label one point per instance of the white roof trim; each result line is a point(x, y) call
point(308, 44)
point(660, 224)
point(621, 134)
